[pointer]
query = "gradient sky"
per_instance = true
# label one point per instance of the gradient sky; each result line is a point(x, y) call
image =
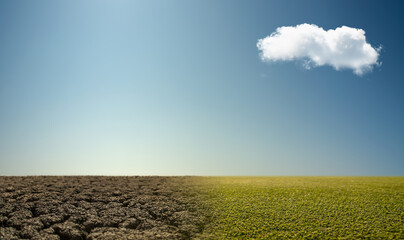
point(178, 88)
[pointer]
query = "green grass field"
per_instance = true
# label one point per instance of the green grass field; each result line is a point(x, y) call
point(304, 207)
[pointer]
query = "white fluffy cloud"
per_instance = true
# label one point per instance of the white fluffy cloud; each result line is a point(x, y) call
point(343, 47)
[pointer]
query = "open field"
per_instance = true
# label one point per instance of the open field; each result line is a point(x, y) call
point(305, 207)
point(201, 207)
point(97, 208)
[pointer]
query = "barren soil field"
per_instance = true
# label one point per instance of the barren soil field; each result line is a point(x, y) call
point(46, 207)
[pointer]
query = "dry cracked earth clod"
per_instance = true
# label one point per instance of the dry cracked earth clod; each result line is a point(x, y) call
point(90, 207)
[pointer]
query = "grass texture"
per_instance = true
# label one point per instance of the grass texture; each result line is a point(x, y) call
point(304, 207)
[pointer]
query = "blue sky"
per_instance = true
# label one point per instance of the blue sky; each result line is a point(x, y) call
point(179, 88)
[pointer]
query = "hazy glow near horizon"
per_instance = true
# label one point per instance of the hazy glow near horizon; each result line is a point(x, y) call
point(179, 88)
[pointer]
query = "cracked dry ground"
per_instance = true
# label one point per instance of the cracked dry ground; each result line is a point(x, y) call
point(47, 207)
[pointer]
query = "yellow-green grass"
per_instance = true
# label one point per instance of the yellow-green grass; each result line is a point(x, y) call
point(304, 207)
